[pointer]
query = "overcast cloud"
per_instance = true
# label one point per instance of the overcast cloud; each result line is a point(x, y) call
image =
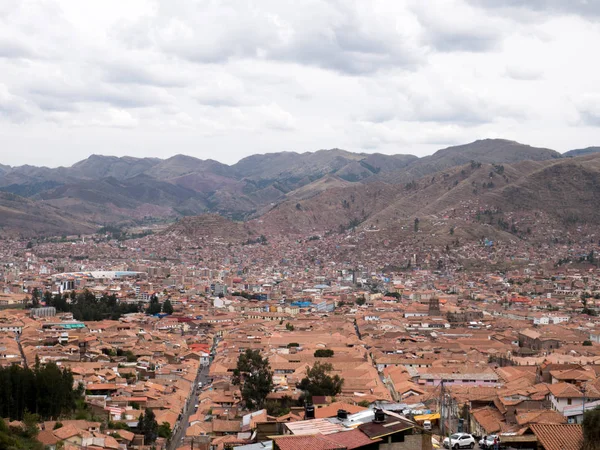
point(225, 79)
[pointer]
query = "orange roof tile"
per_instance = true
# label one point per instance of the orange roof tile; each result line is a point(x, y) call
point(331, 410)
point(316, 442)
point(559, 436)
point(352, 439)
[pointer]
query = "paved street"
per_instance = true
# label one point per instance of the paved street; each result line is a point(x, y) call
point(181, 426)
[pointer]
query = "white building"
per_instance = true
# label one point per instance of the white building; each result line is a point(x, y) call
point(563, 395)
point(547, 320)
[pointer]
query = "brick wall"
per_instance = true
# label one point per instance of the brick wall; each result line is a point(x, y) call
point(411, 442)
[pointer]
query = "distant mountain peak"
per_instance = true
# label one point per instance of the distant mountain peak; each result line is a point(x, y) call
point(126, 189)
point(501, 150)
point(581, 152)
point(181, 156)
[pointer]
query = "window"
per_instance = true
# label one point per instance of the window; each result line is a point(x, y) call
point(569, 401)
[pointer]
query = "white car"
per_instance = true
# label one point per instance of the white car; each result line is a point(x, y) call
point(459, 440)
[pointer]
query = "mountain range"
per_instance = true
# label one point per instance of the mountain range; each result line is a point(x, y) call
point(294, 192)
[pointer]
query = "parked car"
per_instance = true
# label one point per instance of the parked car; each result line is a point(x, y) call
point(427, 425)
point(487, 442)
point(459, 440)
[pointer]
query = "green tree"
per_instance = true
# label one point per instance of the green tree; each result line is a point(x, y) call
point(164, 430)
point(31, 424)
point(167, 307)
point(280, 407)
point(289, 327)
point(361, 301)
point(254, 374)
point(85, 306)
point(148, 426)
point(319, 382)
point(591, 429)
point(46, 390)
point(587, 343)
point(17, 439)
point(323, 353)
point(35, 298)
point(154, 306)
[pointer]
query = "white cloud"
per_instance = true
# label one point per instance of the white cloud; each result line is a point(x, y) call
point(223, 79)
point(588, 107)
point(13, 108)
point(524, 73)
point(455, 26)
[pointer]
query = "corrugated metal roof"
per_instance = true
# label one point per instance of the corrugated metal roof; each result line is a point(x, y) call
point(308, 427)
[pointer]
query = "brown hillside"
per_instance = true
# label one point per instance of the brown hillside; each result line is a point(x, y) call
point(210, 227)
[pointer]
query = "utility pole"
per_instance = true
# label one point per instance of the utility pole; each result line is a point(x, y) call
point(446, 400)
point(442, 408)
point(583, 407)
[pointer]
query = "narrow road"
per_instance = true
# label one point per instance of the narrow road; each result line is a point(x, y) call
point(18, 339)
point(182, 425)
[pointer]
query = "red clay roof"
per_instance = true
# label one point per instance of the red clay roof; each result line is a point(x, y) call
point(332, 410)
point(559, 436)
point(315, 442)
point(46, 437)
point(101, 387)
point(351, 439)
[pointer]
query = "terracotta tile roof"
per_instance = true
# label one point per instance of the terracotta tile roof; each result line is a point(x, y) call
point(46, 437)
point(199, 429)
point(126, 435)
point(564, 390)
point(540, 416)
point(316, 442)
point(573, 374)
point(352, 439)
point(559, 437)
point(331, 410)
point(489, 418)
point(101, 387)
point(226, 426)
point(79, 424)
point(67, 432)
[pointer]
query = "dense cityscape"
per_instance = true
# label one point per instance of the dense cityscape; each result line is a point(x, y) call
point(178, 342)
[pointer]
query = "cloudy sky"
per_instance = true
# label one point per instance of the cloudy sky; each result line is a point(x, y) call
point(224, 79)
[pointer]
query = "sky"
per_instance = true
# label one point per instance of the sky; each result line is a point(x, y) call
point(225, 79)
